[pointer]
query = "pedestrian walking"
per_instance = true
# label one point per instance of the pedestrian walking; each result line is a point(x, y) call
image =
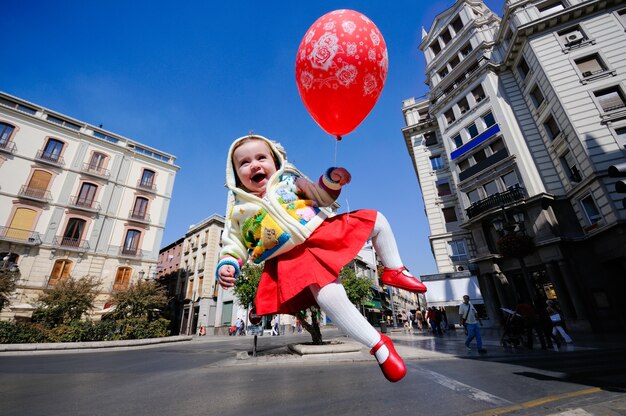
point(557, 321)
point(471, 320)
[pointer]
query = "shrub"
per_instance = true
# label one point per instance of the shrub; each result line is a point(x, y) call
point(66, 302)
point(22, 333)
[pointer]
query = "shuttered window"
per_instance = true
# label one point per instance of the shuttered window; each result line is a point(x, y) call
point(122, 278)
point(60, 272)
point(590, 65)
point(610, 99)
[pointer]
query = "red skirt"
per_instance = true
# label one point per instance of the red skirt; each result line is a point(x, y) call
point(284, 285)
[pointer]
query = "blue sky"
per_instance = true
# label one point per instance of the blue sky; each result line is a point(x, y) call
point(188, 78)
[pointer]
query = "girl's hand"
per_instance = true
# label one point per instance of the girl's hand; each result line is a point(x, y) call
point(227, 276)
point(341, 176)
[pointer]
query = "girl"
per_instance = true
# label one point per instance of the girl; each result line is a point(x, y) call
point(275, 216)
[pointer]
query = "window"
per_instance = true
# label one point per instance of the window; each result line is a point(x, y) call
point(73, 232)
point(621, 15)
point(147, 178)
point(466, 49)
point(463, 164)
point(621, 136)
point(87, 195)
point(449, 115)
point(38, 184)
point(97, 161)
point(478, 93)
point(443, 188)
point(435, 48)
point(430, 138)
point(436, 162)
point(489, 120)
point(140, 208)
point(536, 96)
point(60, 272)
point(479, 156)
point(454, 62)
point(497, 146)
point(591, 210)
point(458, 142)
point(590, 65)
point(131, 242)
point(522, 68)
point(443, 73)
point(550, 8)
point(491, 188)
point(445, 36)
point(552, 129)
point(457, 250)
point(510, 180)
point(473, 196)
point(52, 151)
point(463, 105)
point(457, 24)
point(21, 224)
point(472, 130)
point(449, 214)
point(569, 167)
point(610, 99)
point(122, 278)
point(6, 130)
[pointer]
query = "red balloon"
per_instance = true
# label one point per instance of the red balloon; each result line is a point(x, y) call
point(341, 69)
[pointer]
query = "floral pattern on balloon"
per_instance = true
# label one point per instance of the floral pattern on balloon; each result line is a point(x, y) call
point(341, 67)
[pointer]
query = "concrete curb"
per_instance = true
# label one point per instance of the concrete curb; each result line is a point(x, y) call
point(62, 346)
point(331, 347)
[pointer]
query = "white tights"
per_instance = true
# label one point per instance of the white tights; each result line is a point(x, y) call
point(333, 299)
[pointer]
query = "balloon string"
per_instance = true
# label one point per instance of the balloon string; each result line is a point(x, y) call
point(336, 149)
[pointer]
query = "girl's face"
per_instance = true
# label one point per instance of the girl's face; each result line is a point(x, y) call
point(254, 164)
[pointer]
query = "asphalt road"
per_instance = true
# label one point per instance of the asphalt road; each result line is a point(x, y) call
point(201, 378)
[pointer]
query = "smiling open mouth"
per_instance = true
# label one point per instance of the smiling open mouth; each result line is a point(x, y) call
point(258, 177)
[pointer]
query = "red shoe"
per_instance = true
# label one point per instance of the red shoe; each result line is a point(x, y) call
point(401, 278)
point(393, 368)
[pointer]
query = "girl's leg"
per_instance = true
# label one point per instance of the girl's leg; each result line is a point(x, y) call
point(333, 300)
point(394, 274)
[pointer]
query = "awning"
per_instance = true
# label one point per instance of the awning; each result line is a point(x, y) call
point(106, 310)
point(450, 291)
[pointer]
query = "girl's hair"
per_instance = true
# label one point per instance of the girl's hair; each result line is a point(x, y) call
point(238, 145)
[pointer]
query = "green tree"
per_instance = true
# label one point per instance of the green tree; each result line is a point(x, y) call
point(357, 288)
point(8, 281)
point(142, 300)
point(66, 302)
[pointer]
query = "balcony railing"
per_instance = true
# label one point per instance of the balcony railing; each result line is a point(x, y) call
point(147, 186)
point(84, 203)
point(497, 200)
point(20, 236)
point(41, 195)
point(50, 158)
point(134, 252)
point(140, 216)
point(75, 244)
point(7, 146)
point(95, 170)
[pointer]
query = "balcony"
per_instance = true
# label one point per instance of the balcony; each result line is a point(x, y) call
point(93, 170)
point(146, 186)
point(497, 200)
point(139, 216)
point(39, 195)
point(72, 244)
point(130, 252)
point(50, 158)
point(484, 164)
point(84, 204)
point(7, 146)
point(17, 235)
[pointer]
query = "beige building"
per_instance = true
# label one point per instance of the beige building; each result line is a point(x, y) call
point(512, 144)
point(77, 200)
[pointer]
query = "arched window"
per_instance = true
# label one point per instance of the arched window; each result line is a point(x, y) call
point(38, 185)
point(6, 130)
point(73, 232)
point(60, 272)
point(22, 224)
point(87, 195)
point(131, 242)
point(147, 178)
point(122, 278)
point(53, 149)
point(140, 208)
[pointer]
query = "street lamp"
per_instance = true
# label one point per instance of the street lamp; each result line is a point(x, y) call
point(514, 242)
point(141, 274)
